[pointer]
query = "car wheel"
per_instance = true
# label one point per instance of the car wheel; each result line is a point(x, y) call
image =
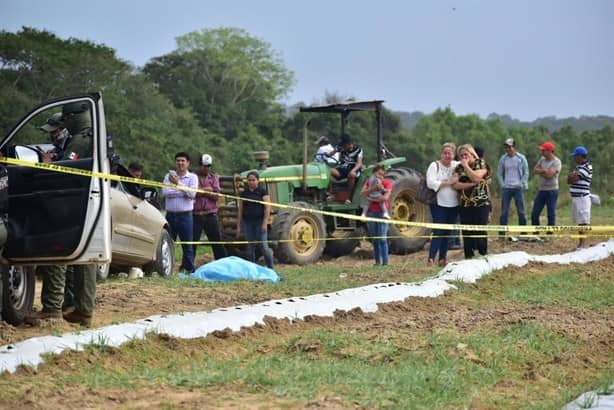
point(17, 293)
point(165, 257)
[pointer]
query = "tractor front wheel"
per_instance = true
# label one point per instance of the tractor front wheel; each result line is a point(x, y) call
point(298, 235)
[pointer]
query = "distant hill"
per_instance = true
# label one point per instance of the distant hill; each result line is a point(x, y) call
point(583, 123)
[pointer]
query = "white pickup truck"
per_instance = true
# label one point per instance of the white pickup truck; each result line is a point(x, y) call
point(51, 217)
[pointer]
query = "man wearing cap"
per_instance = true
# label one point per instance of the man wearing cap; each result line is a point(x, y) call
point(206, 205)
point(58, 135)
point(513, 177)
point(579, 181)
point(326, 152)
point(547, 170)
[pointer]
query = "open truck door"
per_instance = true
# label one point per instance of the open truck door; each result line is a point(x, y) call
point(54, 217)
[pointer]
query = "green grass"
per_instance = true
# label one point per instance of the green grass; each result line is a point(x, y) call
point(447, 371)
point(568, 288)
point(565, 286)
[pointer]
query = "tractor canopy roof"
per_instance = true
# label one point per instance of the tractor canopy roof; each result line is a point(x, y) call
point(346, 106)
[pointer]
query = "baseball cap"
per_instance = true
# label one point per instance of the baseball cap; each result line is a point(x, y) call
point(206, 160)
point(322, 140)
point(546, 146)
point(580, 150)
point(53, 123)
point(510, 142)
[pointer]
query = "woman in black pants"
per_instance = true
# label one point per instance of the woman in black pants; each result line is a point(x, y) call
point(474, 202)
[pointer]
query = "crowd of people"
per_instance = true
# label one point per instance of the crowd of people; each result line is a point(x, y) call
point(463, 187)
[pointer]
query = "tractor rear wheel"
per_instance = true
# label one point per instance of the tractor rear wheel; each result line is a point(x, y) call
point(298, 235)
point(405, 239)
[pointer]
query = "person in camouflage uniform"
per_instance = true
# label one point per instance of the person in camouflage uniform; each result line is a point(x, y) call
point(75, 283)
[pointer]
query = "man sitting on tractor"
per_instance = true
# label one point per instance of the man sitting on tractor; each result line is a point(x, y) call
point(351, 162)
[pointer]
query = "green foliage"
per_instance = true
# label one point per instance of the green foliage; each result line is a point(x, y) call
point(229, 78)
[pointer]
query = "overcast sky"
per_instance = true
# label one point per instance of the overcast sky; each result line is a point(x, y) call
point(526, 58)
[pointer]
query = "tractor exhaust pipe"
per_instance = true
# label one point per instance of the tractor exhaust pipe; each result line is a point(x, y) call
point(305, 155)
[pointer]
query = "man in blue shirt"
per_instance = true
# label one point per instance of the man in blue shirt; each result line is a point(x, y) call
point(513, 177)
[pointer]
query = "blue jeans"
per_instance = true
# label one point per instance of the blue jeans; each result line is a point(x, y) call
point(252, 230)
point(518, 196)
point(378, 232)
point(440, 241)
point(181, 225)
point(547, 198)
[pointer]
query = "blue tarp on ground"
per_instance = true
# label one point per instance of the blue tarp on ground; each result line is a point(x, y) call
point(233, 268)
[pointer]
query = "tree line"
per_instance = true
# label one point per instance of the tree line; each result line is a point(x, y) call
point(219, 91)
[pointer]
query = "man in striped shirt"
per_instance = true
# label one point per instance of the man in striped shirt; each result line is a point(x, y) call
point(579, 187)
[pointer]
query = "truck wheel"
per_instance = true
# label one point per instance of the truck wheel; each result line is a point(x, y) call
point(342, 243)
point(165, 257)
point(405, 207)
point(299, 234)
point(17, 293)
point(102, 272)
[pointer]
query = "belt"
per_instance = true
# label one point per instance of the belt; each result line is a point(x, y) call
point(579, 195)
point(203, 213)
point(178, 212)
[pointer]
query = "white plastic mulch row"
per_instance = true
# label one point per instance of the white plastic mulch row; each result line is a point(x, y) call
point(593, 400)
point(192, 325)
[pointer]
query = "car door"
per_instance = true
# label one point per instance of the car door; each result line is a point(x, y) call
point(132, 219)
point(54, 216)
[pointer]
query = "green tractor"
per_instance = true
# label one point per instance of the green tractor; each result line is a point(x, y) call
point(300, 236)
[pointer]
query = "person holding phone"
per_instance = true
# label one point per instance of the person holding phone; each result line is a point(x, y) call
point(179, 206)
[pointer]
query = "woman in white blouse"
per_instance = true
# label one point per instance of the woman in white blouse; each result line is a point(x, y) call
point(440, 177)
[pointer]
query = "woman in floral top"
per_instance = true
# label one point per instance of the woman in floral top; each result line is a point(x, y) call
point(474, 202)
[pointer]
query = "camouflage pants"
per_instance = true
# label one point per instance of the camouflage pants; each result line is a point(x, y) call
point(54, 283)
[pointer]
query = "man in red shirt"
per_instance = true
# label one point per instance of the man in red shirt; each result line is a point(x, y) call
point(206, 205)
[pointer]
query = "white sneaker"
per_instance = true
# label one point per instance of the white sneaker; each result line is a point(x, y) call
point(364, 214)
point(386, 215)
